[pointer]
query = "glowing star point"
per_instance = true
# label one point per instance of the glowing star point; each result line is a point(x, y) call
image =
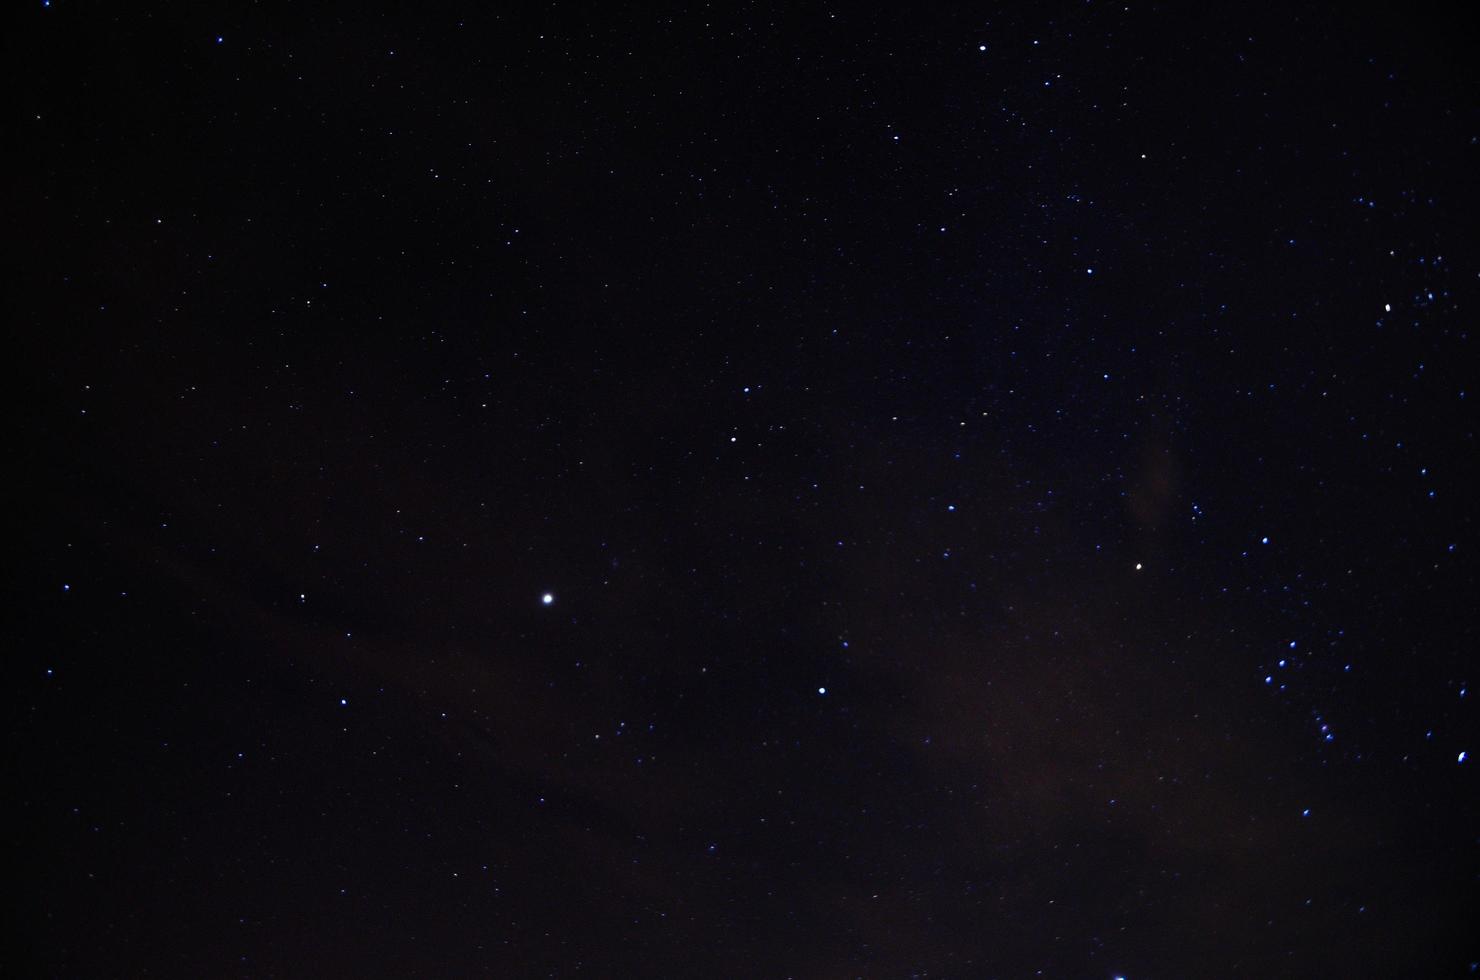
point(547, 599)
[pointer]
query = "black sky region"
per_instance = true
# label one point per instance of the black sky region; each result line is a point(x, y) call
point(742, 490)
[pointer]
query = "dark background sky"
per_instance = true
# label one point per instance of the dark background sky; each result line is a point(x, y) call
point(1005, 478)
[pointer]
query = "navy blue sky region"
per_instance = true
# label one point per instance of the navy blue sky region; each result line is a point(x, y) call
point(755, 490)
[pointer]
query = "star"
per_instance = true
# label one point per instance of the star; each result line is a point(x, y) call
point(547, 598)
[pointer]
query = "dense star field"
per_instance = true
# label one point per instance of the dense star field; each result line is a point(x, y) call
point(742, 490)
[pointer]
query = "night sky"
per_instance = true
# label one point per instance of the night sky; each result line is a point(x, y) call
point(742, 491)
